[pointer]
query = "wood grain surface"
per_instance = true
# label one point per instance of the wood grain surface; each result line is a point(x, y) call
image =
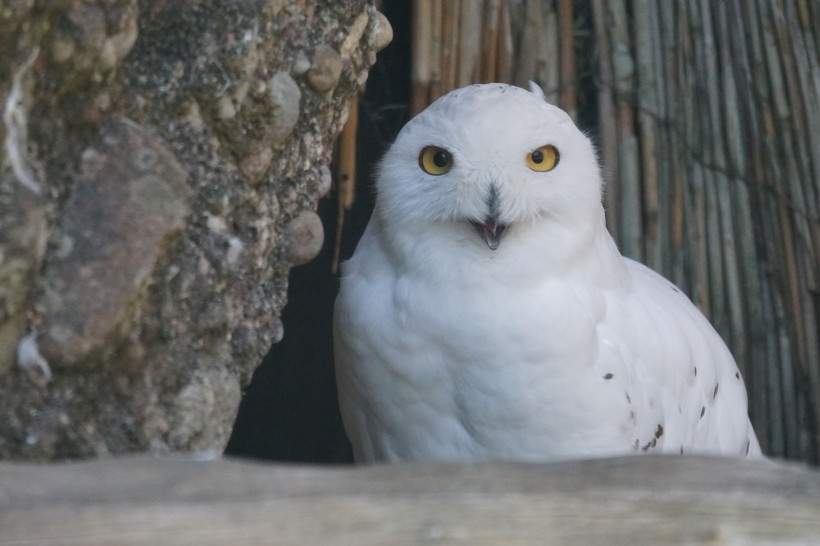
point(635, 500)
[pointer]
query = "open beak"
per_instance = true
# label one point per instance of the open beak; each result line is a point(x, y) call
point(491, 231)
point(490, 228)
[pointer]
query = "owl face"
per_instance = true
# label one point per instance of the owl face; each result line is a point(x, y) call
point(492, 156)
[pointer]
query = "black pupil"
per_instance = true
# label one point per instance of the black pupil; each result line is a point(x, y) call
point(537, 156)
point(441, 159)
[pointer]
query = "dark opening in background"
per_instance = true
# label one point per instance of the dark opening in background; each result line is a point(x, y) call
point(289, 411)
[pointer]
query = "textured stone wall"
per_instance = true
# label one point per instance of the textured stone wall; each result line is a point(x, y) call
point(161, 165)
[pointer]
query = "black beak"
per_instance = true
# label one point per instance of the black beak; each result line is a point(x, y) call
point(490, 228)
point(492, 231)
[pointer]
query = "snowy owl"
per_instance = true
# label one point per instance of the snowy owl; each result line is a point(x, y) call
point(487, 314)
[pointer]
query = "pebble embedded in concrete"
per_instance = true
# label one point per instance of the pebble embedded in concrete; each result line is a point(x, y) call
point(277, 330)
point(326, 68)
point(382, 32)
point(255, 164)
point(285, 97)
point(305, 236)
point(325, 180)
point(301, 63)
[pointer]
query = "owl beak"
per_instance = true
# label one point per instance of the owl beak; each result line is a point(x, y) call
point(491, 231)
point(490, 228)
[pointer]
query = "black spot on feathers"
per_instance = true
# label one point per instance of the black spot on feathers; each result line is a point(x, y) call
point(702, 411)
point(714, 394)
point(659, 431)
point(652, 443)
point(608, 376)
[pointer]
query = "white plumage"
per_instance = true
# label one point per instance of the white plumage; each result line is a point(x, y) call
point(487, 313)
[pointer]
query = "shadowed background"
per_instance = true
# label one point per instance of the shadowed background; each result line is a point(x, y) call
point(705, 117)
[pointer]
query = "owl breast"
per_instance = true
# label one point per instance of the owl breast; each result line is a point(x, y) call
point(451, 376)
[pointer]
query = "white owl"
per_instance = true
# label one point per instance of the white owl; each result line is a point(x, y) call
point(487, 313)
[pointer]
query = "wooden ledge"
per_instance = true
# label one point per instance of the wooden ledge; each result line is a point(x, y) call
point(634, 500)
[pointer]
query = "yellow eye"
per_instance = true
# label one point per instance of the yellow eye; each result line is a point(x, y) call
point(434, 160)
point(543, 159)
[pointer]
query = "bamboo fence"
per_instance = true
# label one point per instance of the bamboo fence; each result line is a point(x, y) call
point(708, 129)
point(713, 159)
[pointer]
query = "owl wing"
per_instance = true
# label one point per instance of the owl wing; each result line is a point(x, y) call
point(684, 389)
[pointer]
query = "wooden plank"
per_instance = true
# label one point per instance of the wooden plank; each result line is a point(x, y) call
point(634, 500)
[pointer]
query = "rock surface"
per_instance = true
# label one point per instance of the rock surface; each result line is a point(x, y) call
point(160, 169)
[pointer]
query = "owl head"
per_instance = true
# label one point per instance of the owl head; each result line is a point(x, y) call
point(495, 158)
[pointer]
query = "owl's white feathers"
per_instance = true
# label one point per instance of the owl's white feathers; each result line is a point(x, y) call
point(549, 346)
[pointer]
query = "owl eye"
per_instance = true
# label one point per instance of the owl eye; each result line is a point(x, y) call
point(543, 159)
point(434, 160)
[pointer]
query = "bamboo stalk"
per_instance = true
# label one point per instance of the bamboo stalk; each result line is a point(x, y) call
point(779, 72)
point(630, 200)
point(674, 144)
point(469, 43)
point(694, 186)
point(490, 41)
point(607, 131)
point(504, 67)
point(735, 168)
point(746, 158)
point(701, 292)
point(527, 58)
point(803, 196)
point(550, 73)
point(436, 52)
point(347, 157)
point(708, 152)
point(714, 250)
point(810, 320)
point(422, 40)
point(647, 79)
point(794, 312)
point(766, 403)
point(569, 76)
point(789, 57)
point(449, 50)
point(345, 177)
point(777, 393)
